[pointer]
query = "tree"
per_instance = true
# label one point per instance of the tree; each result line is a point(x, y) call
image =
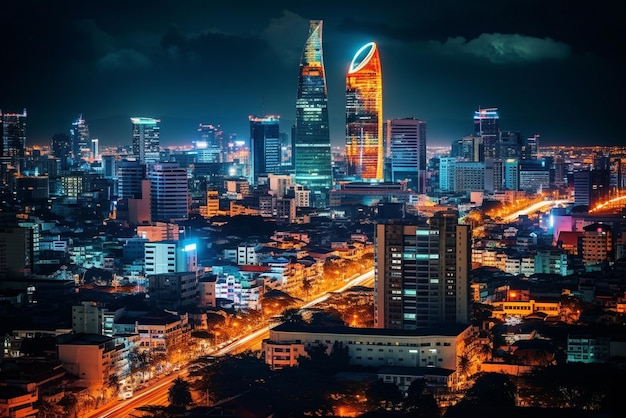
point(383, 395)
point(419, 403)
point(492, 389)
point(180, 393)
point(69, 403)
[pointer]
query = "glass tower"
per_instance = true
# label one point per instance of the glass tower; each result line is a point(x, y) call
point(487, 126)
point(265, 145)
point(13, 144)
point(79, 136)
point(312, 162)
point(364, 115)
point(146, 134)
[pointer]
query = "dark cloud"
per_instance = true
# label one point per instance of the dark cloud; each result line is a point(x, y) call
point(541, 62)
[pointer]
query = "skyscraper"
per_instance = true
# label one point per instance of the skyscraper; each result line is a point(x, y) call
point(487, 126)
point(210, 144)
point(364, 115)
point(13, 145)
point(312, 156)
point(422, 276)
point(407, 152)
point(79, 137)
point(265, 145)
point(169, 200)
point(146, 134)
point(62, 149)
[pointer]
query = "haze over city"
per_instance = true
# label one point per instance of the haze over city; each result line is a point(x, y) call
point(550, 67)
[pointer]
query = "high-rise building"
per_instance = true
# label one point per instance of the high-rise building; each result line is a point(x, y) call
point(169, 189)
point(364, 115)
point(407, 152)
point(13, 144)
point(210, 144)
point(265, 146)
point(129, 177)
point(62, 149)
point(79, 137)
point(422, 272)
point(312, 155)
point(146, 137)
point(487, 126)
point(531, 148)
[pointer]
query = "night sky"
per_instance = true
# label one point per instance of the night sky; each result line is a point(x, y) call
point(552, 67)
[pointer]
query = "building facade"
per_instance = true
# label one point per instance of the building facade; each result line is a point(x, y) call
point(407, 152)
point(422, 272)
point(169, 192)
point(265, 146)
point(364, 115)
point(312, 154)
point(146, 139)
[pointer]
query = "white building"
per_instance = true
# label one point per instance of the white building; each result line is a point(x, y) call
point(170, 257)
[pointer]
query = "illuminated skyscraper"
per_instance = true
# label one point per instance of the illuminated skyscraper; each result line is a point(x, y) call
point(13, 145)
point(146, 134)
point(407, 152)
point(265, 145)
point(210, 144)
point(312, 161)
point(364, 115)
point(487, 126)
point(79, 136)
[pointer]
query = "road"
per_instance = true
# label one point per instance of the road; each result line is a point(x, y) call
point(537, 207)
point(157, 392)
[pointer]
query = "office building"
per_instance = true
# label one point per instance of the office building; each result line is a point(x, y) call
point(209, 144)
point(170, 256)
point(364, 115)
point(169, 192)
point(468, 148)
point(13, 144)
point(531, 148)
point(146, 139)
point(265, 146)
point(312, 154)
point(487, 126)
point(422, 272)
point(511, 146)
point(129, 177)
point(62, 149)
point(407, 152)
point(79, 137)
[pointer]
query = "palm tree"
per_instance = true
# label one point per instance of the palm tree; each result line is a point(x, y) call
point(180, 393)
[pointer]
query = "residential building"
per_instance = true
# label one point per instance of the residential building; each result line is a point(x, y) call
point(422, 272)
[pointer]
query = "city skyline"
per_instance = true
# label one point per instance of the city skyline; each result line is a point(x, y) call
point(550, 69)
